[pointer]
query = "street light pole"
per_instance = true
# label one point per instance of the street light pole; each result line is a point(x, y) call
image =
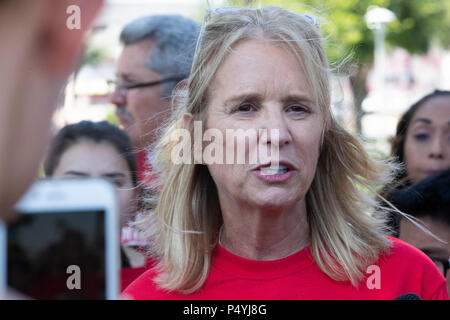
point(377, 18)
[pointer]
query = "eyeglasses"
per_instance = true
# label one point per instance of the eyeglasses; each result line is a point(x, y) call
point(114, 85)
point(442, 264)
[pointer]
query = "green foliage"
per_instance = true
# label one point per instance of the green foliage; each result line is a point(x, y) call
point(418, 24)
point(41, 172)
point(94, 56)
point(112, 119)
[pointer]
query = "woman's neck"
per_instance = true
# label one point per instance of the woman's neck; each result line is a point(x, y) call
point(259, 234)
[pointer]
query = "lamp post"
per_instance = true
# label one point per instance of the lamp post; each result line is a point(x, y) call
point(377, 18)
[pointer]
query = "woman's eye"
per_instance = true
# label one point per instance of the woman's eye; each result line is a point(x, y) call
point(297, 109)
point(245, 107)
point(421, 136)
point(118, 183)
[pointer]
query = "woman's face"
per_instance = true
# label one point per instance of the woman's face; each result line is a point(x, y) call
point(427, 144)
point(263, 86)
point(90, 159)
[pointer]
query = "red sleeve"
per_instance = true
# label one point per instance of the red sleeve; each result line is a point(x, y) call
point(419, 272)
point(128, 275)
point(440, 294)
point(142, 287)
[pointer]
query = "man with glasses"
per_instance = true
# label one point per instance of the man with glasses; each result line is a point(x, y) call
point(157, 54)
point(428, 200)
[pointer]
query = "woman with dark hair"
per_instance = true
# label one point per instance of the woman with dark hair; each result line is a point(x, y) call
point(421, 144)
point(422, 140)
point(101, 150)
point(77, 148)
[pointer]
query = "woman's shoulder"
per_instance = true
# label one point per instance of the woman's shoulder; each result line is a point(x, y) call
point(404, 255)
point(401, 250)
point(408, 266)
point(145, 288)
point(142, 287)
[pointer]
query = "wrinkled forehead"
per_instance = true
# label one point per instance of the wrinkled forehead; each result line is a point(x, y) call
point(263, 65)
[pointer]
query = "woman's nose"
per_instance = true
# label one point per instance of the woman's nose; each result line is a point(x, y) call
point(436, 148)
point(277, 127)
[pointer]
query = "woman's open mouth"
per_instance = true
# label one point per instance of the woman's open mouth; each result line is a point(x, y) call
point(274, 173)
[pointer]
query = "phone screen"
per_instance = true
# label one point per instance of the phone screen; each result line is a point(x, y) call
point(54, 256)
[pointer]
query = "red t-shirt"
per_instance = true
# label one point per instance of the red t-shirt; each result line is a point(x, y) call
point(128, 275)
point(404, 270)
point(143, 166)
point(144, 171)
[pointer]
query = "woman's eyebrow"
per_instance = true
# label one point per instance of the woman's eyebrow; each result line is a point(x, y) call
point(107, 175)
point(424, 120)
point(76, 173)
point(114, 175)
point(244, 96)
point(258, 97)
point(297, 97)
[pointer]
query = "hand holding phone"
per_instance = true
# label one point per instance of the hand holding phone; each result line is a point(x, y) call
point(64, 245)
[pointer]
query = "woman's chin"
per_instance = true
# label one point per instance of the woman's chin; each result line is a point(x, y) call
point(275, 201)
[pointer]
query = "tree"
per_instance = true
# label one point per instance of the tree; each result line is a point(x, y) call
point(419, 23)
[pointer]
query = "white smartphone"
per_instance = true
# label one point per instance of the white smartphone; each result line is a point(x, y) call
point(64, 243)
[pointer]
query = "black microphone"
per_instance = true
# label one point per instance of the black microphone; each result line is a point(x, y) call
point(408, 296)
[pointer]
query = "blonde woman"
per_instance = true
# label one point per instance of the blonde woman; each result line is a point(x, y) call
point(294, 227)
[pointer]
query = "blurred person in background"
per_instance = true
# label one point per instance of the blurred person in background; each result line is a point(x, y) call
point(295, 226)
point(101, 150)
point(428, 200)
point(39, 52)
point(422, 139)
point(421, 144)
point(157, 55)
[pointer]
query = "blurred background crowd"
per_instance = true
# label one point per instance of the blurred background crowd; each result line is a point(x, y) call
point(384, 60)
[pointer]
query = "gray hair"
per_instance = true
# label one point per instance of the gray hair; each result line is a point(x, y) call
point(175, 38)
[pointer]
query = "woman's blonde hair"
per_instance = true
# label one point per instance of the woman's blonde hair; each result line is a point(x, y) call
point(344, 235)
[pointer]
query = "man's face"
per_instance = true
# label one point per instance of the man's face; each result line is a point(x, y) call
point(139, 110)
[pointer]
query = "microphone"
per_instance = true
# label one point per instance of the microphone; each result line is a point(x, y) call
point(408, 296)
